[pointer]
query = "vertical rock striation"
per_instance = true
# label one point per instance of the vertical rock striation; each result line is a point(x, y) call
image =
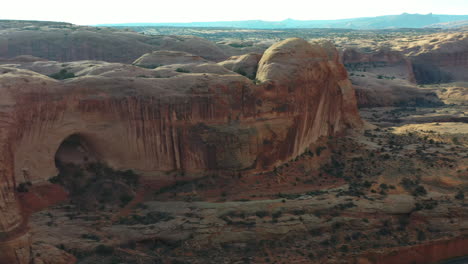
point(189, 122)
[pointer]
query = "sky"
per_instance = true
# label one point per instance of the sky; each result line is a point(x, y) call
point(91, 12)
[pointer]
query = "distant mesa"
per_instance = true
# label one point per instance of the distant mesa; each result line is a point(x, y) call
point(404, 20)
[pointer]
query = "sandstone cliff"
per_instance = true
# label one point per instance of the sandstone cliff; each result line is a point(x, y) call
point(425, 59)
point(245, 64)
point(72, 43)
point(383, 61)
point(189, 122)
point(439, 58)
point(385, 78)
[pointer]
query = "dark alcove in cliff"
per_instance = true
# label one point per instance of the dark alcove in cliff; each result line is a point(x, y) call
point(76, 150)
point(91, 183)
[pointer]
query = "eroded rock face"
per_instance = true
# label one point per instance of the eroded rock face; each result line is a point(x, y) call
point(165, 57)
point(245, 64)
point(190, 122)
point(384, 62)
point(385, 78)
point(331, 109)
point(16, 249)
point(73, 43)
point(436, 58)
point(439, 58)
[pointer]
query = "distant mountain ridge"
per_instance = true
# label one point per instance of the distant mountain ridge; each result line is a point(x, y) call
point(404, 20)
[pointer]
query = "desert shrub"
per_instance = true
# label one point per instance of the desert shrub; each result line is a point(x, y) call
point(384, 231)
point(262, 214)
point(96, 182)
point(241, 72)
point(91, 237)
point(421, 235)
point(125, 199)
point(319, 150)
point(62, 75)
point(277, 214)
point(148, 219)
point(130, 177)
point(336, 226)
point(404, 221)
point(239, 45)
point(419, 191)
point(55, 180)
point(345, 206)
point(344, 249)
point(413, 187)
point(298, 211)
point(460, 195)
point(23, 187)
point(173, 187)
point(149, 66)
point(104, 250)
point(182, 70)
point(408, 184)
point(130, 244)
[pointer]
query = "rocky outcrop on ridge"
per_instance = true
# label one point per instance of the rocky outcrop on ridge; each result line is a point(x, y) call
point(245, 64)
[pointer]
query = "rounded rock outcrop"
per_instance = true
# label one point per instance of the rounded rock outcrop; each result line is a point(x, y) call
point(245, 64)
point(165, 57)
point(191, 122)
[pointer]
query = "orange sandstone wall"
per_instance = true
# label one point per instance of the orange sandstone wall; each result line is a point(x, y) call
point(432, 252)
point(191, 122)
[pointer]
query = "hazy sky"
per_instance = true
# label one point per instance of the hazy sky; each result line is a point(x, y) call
point(88, 12)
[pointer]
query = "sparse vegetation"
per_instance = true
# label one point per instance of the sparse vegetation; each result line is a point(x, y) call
point(104, 250)
point(62, 75)
point(148, 219)
point(460, 195)
point(96, 184)
point(182, 70)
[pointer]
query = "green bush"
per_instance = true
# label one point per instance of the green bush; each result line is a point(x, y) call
point(104, 250)
point(344, 249)
point(241, 72)
point(182, 70)
point(262, 214)
point(149, 66)
point(277, 214)
point(62, 75)
point(148, 219)
point(125, 199)
point(91, 237)
point(460, 195)
point(23, 187)
point(421, 235)
point(319, 150)
point(419, 191)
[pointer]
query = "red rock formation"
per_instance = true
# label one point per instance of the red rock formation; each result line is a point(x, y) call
point(437, 58)
point(427, 253)
point(73, 43)
point(165, 57)
point(440, 58)
point(245, 64)
point(383, 61)
point(190, 122)
point(385, 78)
